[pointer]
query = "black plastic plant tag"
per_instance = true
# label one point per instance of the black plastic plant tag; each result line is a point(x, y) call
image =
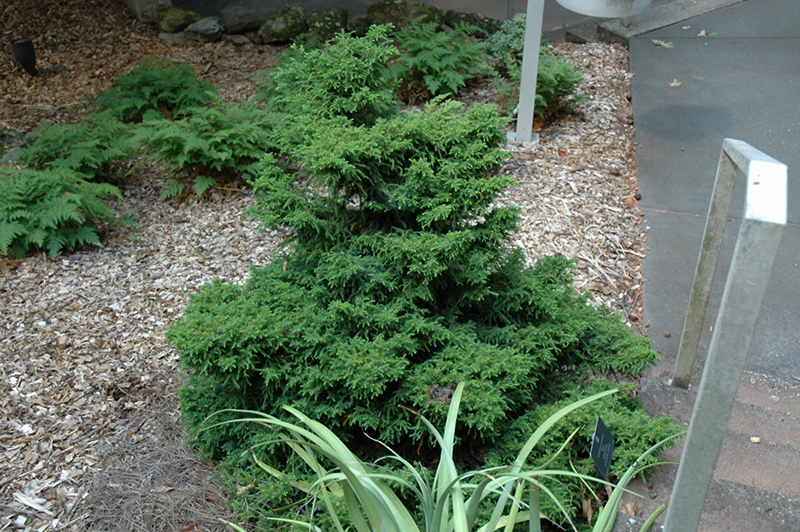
point(602, 447)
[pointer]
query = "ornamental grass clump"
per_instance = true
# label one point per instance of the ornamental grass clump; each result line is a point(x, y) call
point(372, 498)
point(396, 282)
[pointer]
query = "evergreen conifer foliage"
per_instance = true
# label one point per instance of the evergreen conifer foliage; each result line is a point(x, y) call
point(396, 281)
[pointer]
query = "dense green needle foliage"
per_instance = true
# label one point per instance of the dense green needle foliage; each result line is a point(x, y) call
point(348, 78)
point(52, 210)
point(157, 83)
point(396, 282)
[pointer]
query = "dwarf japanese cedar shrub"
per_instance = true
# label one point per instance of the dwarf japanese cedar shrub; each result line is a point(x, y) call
point(396, 282)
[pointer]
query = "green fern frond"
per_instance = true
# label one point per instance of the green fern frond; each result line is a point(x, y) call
point(53, 209)
point(171, 189)
point(202, 184)
point(9, 232)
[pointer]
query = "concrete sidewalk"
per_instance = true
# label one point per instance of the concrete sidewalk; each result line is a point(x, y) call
point(734, 73)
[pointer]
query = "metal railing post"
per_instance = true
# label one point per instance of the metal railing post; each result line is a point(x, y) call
point(530, 70)
point(753, 258)
point(704, 274)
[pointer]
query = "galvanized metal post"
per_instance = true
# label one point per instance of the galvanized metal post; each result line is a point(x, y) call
point(704, 274)
point(530, 70)
point(753, 258)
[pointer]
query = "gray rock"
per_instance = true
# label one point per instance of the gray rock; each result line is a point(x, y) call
point(401, 13)
point(174, 19)
point(242, 19)
point(323, 25)
point(236, 40)
point(208, 29)
point(358, 25)
point(175, 38)
point(487, 25)
point(144, 9)
point(284, 26)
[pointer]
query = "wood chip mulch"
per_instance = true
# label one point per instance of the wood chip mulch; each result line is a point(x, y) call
point(90, 433)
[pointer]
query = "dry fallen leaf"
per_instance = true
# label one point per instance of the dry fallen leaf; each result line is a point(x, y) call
point(687, 27)
point(7, 265)
point(49, 494)
point(586, 508)
point(703, 33)
point(628, 507)
point(675, 83)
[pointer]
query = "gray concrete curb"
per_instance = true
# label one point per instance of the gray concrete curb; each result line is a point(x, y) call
point(657, 17)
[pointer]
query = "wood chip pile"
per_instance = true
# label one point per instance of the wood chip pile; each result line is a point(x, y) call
point(90, 436)
point(578, 188)
point(81, 45)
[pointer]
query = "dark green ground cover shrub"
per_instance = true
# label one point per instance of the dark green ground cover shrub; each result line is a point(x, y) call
point(53, 210)
point(347, 78)
point(207, 146)
point(157, 83)
point(396, 282)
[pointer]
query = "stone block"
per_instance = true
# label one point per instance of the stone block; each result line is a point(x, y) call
point(143, 10)
point(324, 24)
point(208, 29)
point(285, 26)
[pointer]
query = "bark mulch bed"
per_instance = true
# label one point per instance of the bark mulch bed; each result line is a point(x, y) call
point(90, 432)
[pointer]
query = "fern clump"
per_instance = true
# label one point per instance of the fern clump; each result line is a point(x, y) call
point(157, 83)
point(96, 148)
point(53, 210)
point(208, 146)
point(434, 62)
point(556, 82)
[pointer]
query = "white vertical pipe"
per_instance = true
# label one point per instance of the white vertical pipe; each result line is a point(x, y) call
point(530, 69)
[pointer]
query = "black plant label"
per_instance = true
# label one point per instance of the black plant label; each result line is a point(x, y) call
point(602, 447)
